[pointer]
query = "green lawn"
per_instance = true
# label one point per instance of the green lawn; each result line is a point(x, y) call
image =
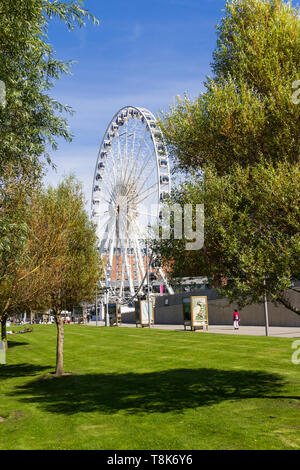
point(132, 388)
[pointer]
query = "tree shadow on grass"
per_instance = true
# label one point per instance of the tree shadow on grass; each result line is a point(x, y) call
point(163, 391)
point(20, 370)
point(12, 344)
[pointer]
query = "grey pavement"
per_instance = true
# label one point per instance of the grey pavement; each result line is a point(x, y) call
point(277, 331)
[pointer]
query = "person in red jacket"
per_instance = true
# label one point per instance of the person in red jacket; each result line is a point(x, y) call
point(236, 320)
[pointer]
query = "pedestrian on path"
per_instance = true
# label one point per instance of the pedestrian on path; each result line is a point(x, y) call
point(236, 320)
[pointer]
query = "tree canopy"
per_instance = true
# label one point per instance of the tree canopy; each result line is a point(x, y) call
point(66, 239)
point(238, 143)
point(32, 120)
point(246, 112)
point(57, 265)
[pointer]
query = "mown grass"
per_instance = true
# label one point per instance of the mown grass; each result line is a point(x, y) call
point(131, 388)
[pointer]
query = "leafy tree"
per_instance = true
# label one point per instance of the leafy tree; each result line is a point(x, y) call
point(240, 142)
point(14, 196)
point(60, 265)
point(30, 120)
point(247, 111)
point(72, 267)
point(252, 236)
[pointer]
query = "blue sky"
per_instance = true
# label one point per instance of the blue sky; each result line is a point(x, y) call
point(143, 53)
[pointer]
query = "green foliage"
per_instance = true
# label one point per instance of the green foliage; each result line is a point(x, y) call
point(246, 112)
point(70, 266)
point(73, 267)
point(31, 120)
point(15, 192)
point(30, 124)
point(243, 134)
point(54, 262)
point(251, 231)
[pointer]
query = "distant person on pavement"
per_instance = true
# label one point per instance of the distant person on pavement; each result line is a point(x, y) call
point(236, 320)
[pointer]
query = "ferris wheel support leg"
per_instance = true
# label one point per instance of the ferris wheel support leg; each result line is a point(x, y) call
point(140, 262)
point(138, 272)
point(169, 288)
point(106, 309)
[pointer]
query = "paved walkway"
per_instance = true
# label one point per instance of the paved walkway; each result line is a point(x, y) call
point(278, 331)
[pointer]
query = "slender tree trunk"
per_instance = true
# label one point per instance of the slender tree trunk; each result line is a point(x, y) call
point(3, 329)
point(59, 345)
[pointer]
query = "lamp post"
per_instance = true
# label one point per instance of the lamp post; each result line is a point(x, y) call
point(148, 281)
point(106, 313)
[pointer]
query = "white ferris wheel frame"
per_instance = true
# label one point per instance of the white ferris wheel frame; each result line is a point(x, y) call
point(163, 181)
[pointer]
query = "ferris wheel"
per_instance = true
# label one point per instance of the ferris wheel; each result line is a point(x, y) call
point(131, 181)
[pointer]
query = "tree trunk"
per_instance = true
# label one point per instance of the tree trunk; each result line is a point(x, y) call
point(3, 330)
point(59, 345)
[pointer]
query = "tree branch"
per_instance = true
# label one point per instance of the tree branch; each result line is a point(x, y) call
point(287, 303)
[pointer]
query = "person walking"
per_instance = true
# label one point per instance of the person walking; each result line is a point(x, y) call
point(236, 320)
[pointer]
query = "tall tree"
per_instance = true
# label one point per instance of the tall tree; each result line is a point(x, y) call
point(241, 137)
point(70, 273)
point(15, 190)
point(252, 236)
point(247, 112)
point(30, 119)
